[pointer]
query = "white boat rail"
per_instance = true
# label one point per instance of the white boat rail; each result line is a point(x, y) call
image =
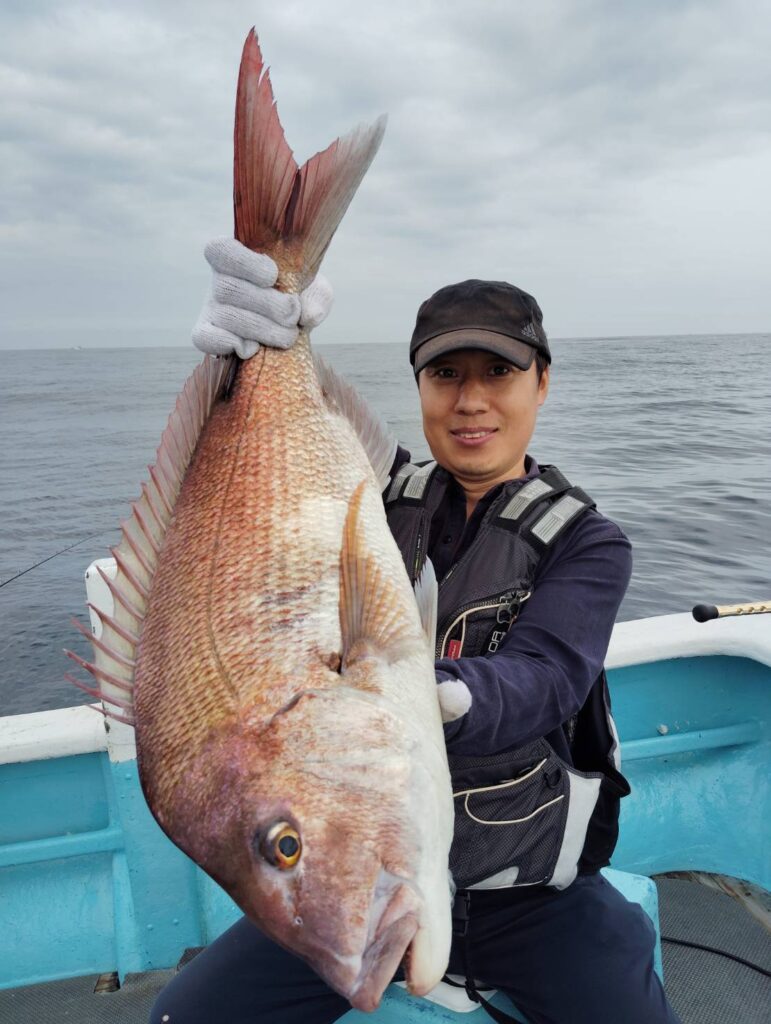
point(79, 730)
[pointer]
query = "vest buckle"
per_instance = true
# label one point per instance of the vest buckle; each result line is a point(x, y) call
point(509, 606)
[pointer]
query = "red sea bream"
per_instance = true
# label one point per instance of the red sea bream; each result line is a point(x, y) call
point(266, 643)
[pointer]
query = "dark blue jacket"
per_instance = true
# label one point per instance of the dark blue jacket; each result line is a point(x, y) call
point(542, 673)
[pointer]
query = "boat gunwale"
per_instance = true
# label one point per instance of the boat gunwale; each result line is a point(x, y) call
point(42, 735)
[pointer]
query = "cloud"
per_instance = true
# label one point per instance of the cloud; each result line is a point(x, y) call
point(597, 153)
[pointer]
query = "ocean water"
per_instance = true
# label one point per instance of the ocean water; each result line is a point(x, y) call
point(670, 435)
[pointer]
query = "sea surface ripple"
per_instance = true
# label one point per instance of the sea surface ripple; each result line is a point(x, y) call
point(671, 436)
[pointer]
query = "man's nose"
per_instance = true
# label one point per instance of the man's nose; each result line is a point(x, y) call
point(472, 397)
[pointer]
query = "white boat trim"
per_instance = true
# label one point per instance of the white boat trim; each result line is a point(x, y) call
point(42, 735)
point(662, 637)
point(45, 734)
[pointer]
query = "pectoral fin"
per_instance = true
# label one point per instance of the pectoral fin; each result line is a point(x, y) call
point(427, 596)
point(371, 606)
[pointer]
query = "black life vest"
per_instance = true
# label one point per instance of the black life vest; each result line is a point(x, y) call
point(527, 816)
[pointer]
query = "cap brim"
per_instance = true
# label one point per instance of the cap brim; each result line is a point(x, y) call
point(511, 349)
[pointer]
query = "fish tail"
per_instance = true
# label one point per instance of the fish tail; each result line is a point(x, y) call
point(286, 211)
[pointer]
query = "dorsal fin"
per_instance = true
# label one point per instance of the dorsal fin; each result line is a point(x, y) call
point(137, 553)
point(287, 211)
point(376, 439)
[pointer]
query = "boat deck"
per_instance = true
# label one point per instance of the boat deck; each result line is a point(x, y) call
point(705, 987)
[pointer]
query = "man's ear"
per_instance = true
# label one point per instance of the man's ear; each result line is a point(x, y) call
point(543, 386)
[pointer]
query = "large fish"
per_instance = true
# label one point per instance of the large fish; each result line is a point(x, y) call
point(266, 642)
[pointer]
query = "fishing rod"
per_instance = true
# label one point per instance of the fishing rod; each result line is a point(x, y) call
point(54, 555)
point(705, 612)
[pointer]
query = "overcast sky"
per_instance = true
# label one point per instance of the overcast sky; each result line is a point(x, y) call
point(613, 158)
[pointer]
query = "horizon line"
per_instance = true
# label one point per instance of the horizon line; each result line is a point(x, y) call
point(346, 344)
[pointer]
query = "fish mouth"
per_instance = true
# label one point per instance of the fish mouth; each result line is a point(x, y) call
point(380, 962)
point(394, 919)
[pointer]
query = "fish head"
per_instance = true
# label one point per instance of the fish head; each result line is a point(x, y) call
point(324, 829)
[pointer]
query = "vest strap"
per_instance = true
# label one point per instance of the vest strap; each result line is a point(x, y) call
point(460, 920)
point(551, 483)
point(525, 498)
point(410, 482)
point(397, 483)
point(551, 523)
point(415, 488)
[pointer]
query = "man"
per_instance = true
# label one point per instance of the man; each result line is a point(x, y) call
point(531, 577)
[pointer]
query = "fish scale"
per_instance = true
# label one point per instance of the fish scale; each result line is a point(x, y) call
point(266, 454)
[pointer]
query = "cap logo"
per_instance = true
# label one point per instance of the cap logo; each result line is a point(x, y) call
point(529, 332)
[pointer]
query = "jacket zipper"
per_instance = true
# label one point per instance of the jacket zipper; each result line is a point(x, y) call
point(508, 606)
point(416, 565)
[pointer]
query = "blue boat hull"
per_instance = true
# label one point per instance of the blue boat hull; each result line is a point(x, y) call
point(89, 884)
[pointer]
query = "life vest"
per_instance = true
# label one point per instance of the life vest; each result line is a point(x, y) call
point(526, 816)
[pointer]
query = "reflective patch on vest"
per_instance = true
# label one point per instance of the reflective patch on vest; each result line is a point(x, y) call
point(416, 484)
point(396, 484)
point(556, 518)
point(525, 497)
point(495, 641)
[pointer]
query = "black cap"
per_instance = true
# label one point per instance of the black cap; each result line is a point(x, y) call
point(491, 315)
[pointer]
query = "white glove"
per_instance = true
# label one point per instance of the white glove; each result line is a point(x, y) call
point(245, 311)
point(454, 699)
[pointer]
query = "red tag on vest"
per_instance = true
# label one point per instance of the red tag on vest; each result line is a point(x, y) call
point(454, 647)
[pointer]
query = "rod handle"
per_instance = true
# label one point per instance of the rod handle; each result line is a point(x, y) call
point(705, 612)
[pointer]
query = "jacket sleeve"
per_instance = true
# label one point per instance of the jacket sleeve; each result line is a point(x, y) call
point(542, 672)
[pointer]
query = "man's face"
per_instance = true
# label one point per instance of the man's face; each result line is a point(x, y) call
point(479, 413)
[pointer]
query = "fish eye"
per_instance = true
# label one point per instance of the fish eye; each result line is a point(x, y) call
point(281, 845)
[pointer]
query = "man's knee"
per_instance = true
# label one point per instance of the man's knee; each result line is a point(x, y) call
point(168, 1008)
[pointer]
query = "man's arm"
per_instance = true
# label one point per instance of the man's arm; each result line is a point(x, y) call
point(542, 673)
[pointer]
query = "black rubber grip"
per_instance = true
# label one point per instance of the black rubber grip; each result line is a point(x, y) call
point(704, 612)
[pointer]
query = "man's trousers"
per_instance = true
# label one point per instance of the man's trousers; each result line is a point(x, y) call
point(580, 956)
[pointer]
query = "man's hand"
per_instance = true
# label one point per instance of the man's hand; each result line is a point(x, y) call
point(454, 698)
point(245, 310)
